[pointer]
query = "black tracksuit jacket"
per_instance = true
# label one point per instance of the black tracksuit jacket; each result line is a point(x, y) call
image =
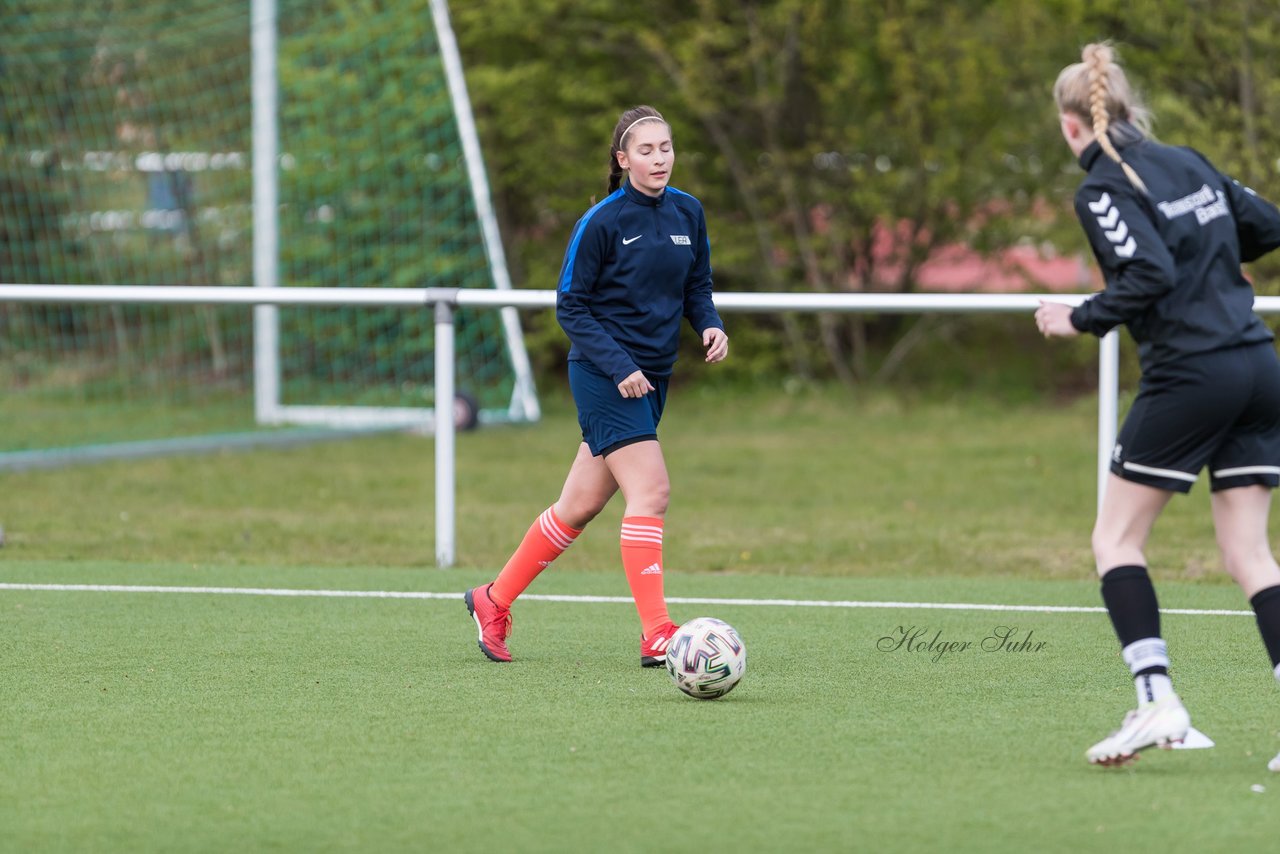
point(1171, 258)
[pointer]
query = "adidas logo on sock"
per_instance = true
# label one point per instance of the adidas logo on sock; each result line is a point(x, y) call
point(652, 569)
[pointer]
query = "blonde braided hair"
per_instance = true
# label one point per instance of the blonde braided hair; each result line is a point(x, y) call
point(1097, 89)
point(1098, 59)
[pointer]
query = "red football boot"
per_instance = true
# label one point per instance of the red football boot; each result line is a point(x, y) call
point(494, 623)
point(653, 651)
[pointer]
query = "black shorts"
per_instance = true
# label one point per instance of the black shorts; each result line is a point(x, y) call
point(1221, 409)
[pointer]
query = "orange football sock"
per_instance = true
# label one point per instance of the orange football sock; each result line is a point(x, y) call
point(545, 540)
point(642, 560)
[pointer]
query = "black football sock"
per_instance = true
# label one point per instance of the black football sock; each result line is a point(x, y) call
point(1266, 607)
point(1131, 603)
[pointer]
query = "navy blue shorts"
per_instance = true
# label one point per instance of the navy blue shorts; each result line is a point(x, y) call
point(610, 421)
point(1220, 409)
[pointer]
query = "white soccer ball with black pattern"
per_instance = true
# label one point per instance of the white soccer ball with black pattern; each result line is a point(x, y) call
point(706, 658)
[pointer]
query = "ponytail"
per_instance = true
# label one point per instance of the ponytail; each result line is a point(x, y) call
point(1097, 89)
point(1098, 60)
point(615, 170)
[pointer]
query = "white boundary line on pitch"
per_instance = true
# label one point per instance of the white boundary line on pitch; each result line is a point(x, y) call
point(619, 600)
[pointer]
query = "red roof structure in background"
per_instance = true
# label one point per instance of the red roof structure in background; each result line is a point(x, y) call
point(1019, 269)
point(956, 268)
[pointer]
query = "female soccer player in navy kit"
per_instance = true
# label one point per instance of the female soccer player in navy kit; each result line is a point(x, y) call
point(637, 263)
point(1170, 232)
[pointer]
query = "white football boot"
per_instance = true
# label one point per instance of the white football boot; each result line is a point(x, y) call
point(1274, 764)
point(1162, 723)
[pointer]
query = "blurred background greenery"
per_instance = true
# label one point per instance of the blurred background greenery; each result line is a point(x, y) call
point(837, 146)
point(811, 130)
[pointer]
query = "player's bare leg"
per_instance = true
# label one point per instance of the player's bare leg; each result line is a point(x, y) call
point(1128, 513)
point(1240, 520)
point(641, 473)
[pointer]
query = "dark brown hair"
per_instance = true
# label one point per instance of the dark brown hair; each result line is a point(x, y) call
point(620, 131)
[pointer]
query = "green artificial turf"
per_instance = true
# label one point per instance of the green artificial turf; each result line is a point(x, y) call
point(160, 721)
point(817, 483)
point(200, 721)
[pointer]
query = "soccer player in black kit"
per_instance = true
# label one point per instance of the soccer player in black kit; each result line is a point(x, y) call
point(1170, 233)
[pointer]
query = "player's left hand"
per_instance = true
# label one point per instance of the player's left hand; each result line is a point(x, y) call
point(716, 343)
point(1053, 319)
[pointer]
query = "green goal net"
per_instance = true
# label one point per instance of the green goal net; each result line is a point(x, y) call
point(128, 139)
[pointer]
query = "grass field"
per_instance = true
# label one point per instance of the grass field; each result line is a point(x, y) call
point(200, 721)
point(809, 484)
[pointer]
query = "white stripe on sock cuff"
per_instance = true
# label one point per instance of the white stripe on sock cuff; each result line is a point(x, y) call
point(1277, 672)
point(641, 541)
point(553, 532)
point(1148, 652)
point(642, 534)
point(633, 528)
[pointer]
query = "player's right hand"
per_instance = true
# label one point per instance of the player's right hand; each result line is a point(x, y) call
point(636, 385)
point(1054, 319)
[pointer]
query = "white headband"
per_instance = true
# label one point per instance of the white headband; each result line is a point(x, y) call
point(638, 121)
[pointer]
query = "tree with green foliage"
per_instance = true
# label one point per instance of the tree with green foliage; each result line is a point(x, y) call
point(813, 131)
point(836, 145)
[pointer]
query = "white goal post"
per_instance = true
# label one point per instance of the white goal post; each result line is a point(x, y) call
point(268, 406)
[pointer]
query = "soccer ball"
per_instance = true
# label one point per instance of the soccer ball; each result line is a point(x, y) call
point(706, 658)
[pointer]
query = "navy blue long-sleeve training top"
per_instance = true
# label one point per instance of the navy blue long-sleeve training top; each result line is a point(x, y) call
point(635, 265)
point(1171, 258)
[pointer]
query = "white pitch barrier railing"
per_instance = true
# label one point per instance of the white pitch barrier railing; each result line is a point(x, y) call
point(444, 302)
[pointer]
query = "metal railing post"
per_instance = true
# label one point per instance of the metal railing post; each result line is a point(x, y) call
point(1108, 405)
point(444, 430)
